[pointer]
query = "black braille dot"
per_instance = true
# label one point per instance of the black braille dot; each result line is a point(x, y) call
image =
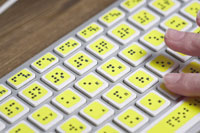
point(137, 118)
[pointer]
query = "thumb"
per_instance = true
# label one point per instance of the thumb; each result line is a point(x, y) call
point(183, 84)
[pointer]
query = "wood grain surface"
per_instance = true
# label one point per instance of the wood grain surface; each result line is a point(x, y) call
point(30, 26)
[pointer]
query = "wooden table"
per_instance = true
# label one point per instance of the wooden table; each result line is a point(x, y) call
point(30, 26)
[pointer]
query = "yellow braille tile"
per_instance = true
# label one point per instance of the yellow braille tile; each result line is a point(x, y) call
point(21, 78)
point(12, 109)
point(131, 119)
point(144, 18)
point(44, 62)
point(176, 22)
point(90, 31)
point(102, 47)
point(45, 117)
point(58, 77)
point(191, 67)
point(162, 65)
point(113, 69)
point(131, 5)
point(68, 101)
point(134, 54)
point(191, 9)
point(74, 125)
point(153, 103)
point(141, 80)
point(111, 17)
point(22, 127)
point(80, 62)
point(97, 112)
point(154, 39)
point(35, 93)
point(4, 92)
point(119, 96)
point(123, 32)
point(67, 47)
point(91, 85)
point(164, 7)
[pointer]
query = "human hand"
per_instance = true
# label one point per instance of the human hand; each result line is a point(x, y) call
point(187, 43)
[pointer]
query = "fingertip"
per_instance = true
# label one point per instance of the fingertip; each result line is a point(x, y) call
point(198, 18)
point(168, 41)
point(170, 81)
point(172, 37)
point(183, 84)
point(168, 33)
point(172, 78)
point(172, 89)
point(184, 42)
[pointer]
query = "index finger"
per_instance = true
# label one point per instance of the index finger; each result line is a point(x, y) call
point(184, 42)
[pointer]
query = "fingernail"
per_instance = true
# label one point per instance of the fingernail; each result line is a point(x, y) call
point(174, 35)
point(172, 78)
